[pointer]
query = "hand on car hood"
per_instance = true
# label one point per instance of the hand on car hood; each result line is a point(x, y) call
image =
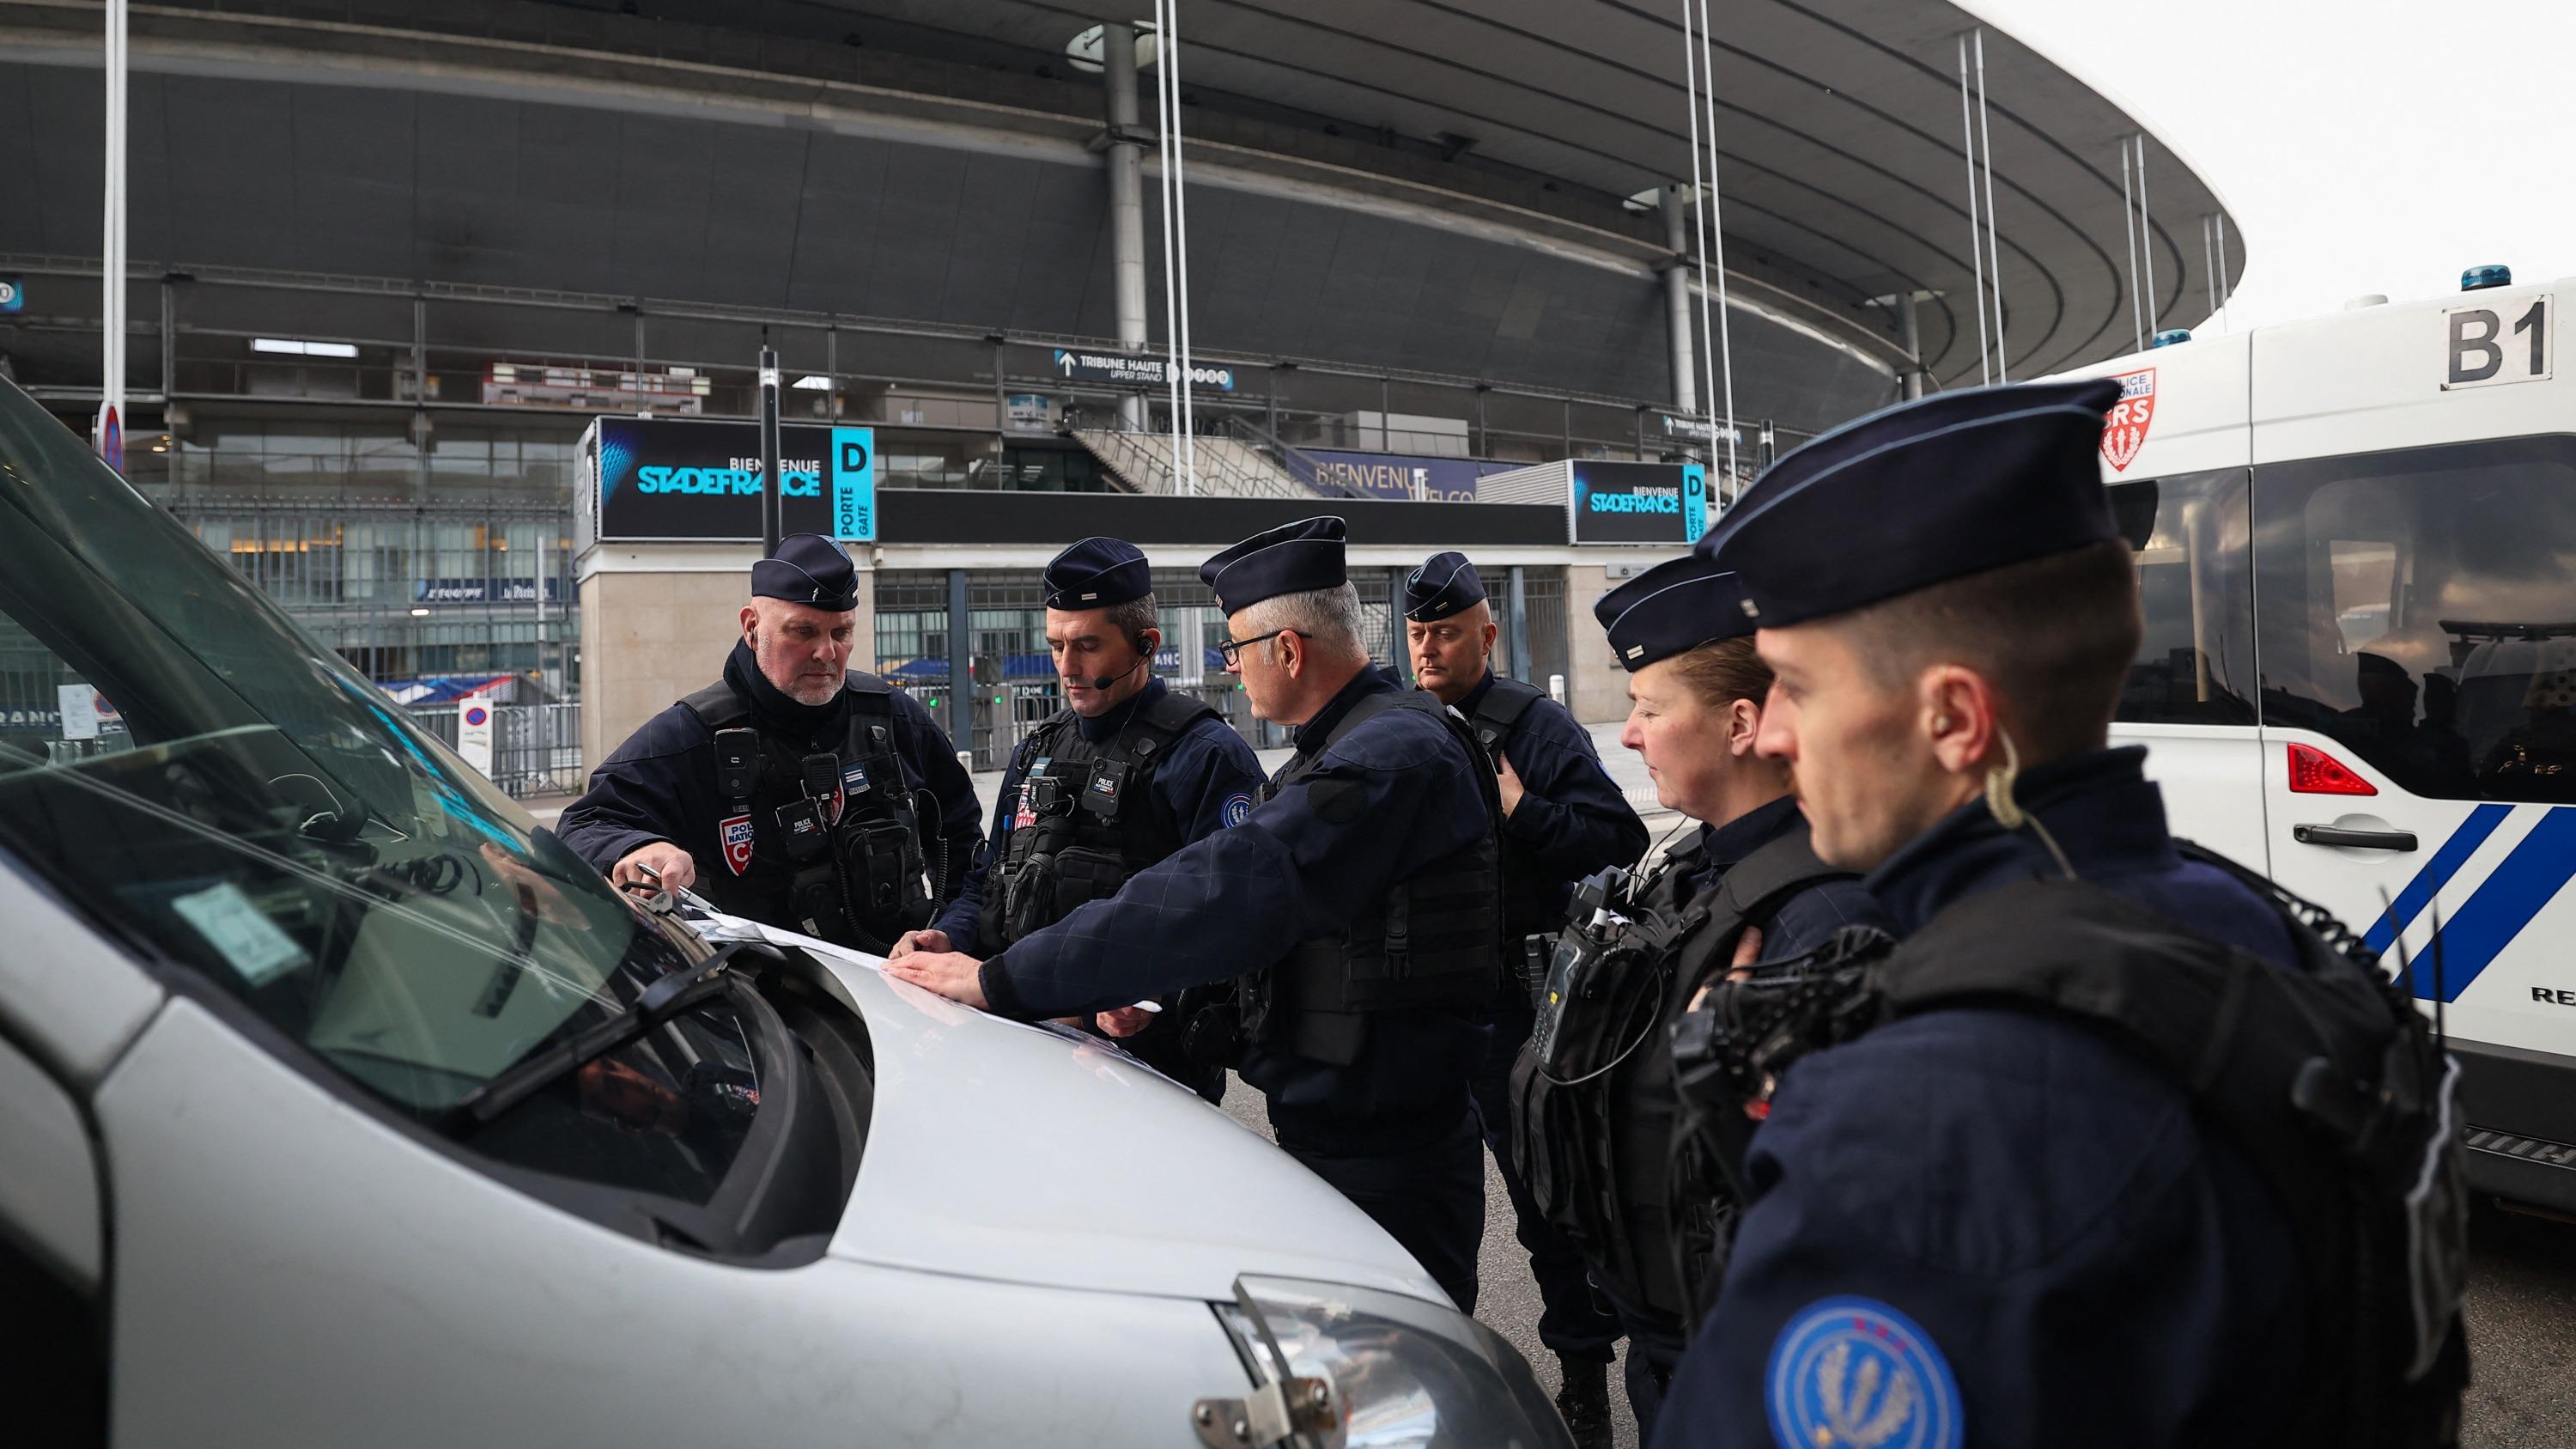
point(1002, 1151)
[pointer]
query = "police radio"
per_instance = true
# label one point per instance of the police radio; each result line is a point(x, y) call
point(822, 777)
point(1573, 972)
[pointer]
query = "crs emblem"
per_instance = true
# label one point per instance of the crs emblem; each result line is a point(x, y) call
point(2124, 428)
point(1854, 1373)
point(736, 836)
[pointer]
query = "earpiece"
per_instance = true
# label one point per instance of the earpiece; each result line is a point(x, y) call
point(1144, 660)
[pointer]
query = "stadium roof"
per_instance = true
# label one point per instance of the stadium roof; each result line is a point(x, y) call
point(466, 142)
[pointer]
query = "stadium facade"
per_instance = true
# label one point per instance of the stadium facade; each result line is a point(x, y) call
point(391, 261)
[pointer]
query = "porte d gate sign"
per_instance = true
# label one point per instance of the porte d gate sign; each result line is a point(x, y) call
point(663, 479)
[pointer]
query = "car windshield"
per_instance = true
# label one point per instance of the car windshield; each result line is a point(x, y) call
point(217, 790)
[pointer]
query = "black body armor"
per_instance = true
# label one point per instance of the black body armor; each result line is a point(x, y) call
point(1434, 940)
point(2326, 1078)
point(833, 832)
point(1083, 825)
point(1593, 1106)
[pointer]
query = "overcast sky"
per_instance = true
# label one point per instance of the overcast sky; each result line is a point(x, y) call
point(2365, 145)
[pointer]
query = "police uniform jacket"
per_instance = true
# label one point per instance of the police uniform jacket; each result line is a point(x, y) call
point(1204, 781)
point(661, 783)
point(1393, 796)
point(1805, 920)
point(2026, 1214)
point(1571, 821)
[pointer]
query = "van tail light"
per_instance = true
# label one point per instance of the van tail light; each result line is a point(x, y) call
point(2314, 772)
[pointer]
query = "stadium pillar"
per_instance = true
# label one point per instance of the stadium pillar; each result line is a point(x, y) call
point(1126, 203)
point(1677, 325)
point(1908, 304)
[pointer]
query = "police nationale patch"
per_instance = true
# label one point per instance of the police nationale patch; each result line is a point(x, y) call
point(736, 835)
point(854, 778)
point(1854, 1373)
point(1238, 809)
point(2124, 428)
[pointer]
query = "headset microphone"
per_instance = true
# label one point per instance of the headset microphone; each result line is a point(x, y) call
point(1144, 658)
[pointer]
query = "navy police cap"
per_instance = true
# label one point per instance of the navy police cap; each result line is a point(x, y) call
point(1096, 573)
point(1670, 609)
point(1293, 558)
point(808, 569)
point(1919, 494)
point(1446, 584)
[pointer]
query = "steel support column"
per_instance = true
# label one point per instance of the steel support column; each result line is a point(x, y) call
point(1126, 203)
point(961, 666)
point(1677, 323)
point(1521, 651)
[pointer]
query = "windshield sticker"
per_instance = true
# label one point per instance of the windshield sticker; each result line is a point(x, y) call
point(425, 807)
point(250, 942)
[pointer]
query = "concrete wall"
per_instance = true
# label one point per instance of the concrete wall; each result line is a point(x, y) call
point(1597, 692)
point(650, 636)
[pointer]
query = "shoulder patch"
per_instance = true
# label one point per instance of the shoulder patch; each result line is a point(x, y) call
point(1238, 809)
point(1854, 1373)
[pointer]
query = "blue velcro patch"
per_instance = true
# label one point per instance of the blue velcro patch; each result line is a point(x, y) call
point(1856, 1374)
point(1238, 809)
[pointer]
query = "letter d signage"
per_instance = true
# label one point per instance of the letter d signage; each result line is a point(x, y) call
point(854, 484)
point(1694, 501)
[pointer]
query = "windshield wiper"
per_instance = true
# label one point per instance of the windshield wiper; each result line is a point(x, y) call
point(663, 1000)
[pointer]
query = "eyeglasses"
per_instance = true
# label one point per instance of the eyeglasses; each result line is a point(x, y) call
point(1233, 649)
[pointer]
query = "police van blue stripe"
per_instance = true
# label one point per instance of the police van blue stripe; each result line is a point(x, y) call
point(2538, 868)
point(2437, 873)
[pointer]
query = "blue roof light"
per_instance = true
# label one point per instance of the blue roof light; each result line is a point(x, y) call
point(2169, 337)
point(2480, 278)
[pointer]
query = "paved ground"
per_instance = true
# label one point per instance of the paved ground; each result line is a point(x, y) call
point(2522, 1315)
point(2522, 1333)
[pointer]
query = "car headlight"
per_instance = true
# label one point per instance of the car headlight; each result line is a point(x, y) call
point(1355, 1368)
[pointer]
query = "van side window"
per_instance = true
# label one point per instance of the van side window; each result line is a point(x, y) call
point(2196, 659)
point(2419, 607)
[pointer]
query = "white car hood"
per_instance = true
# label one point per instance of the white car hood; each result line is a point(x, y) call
point(997, 1150)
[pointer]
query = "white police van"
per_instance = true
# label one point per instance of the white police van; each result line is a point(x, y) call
point(2356, 542)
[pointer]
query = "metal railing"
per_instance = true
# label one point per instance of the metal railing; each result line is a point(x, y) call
point(1293, 461)
point(1228, 467)
point(536, 748)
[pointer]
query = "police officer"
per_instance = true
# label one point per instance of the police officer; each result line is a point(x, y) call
point(795, 791)
point(1563, 819)
point(1596, 1111)
point(1125, 774)
point(1364, 890)
point(2065, 1171)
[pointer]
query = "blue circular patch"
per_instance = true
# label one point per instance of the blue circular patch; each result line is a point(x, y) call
point(1238, 809)
point(1853, 1373)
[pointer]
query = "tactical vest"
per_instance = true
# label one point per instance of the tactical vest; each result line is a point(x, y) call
point(1082, 823)
point(1529, 891)
point(2327, 1079)
point(1433, 940)
point(828, 842)
point(1593, 1106)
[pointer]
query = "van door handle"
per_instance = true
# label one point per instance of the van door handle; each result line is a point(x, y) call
point(2365, 839)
